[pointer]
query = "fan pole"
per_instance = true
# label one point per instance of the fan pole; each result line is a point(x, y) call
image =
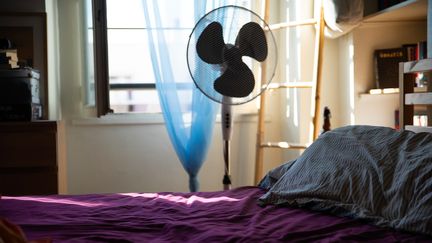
point(226, 122)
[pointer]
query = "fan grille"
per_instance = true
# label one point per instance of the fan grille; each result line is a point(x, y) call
point(232, 18)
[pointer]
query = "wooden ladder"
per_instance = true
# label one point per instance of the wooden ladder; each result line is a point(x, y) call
point(315, 85)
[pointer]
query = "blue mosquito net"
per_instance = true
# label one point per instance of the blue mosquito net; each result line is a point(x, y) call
point(189, 115)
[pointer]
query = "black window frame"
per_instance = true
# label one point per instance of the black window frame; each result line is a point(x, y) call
point(100, 37)
point(102, 84)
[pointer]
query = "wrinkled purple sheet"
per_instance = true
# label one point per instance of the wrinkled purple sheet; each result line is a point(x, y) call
point(224, 216)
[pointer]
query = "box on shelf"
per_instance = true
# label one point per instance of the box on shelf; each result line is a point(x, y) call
point(20, 112)
point(19, 95)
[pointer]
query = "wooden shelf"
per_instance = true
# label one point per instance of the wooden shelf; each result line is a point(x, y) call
point(418, 129)
point(284, 145)
point(410, 101)
point(411, 10)
point(28, 126)
point(424, 65)
point(421, 110)
point(418, 98)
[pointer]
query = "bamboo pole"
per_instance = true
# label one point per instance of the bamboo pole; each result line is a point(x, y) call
point(259, 156)
point(319, 59)
point(319, 46)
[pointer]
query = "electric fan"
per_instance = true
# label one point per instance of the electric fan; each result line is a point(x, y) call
point(225, 53)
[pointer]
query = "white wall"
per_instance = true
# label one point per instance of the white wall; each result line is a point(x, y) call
point(357, 70)
point(132, 153)
point(297, 49)
point(53, 57)
point(139, 157)
point(371, 36)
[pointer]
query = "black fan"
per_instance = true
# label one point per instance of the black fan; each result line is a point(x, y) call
point(226, 50)
point(237, 79)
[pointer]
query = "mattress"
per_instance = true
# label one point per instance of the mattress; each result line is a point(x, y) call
point(221, 216)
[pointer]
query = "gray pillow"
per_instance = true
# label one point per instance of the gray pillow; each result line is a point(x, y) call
point(371, 173)
point(274, 175)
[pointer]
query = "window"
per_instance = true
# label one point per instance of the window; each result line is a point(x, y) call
point(123, 79)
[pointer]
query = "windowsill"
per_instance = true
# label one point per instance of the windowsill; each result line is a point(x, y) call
point(121, 119)
point(391, 91)
point(150, 119)
point(367, 95)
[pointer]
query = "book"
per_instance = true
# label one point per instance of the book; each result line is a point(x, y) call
point(387, 66)
point(11, 53)
point(422, 50)
point(4, 57)
point(413, 54)
point(411, 51)
point(7, 62)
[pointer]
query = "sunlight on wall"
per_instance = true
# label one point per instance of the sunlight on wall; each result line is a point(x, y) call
point(351, 85)
point(295, 79)
point(292, 67)
point(287, 66)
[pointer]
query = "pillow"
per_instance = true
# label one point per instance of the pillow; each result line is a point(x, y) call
point(274, 175)
point(341, 16)
point(372, 173)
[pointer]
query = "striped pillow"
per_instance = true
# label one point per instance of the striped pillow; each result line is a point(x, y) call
point(371, 173)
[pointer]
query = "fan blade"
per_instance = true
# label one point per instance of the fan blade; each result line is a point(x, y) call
point(210, 44)
point(252, 42)
point(237, 81)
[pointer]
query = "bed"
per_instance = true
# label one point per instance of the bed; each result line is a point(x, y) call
point(356, 183)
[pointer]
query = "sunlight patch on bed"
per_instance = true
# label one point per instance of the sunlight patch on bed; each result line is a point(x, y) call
point(55, 200)
point(181, 199)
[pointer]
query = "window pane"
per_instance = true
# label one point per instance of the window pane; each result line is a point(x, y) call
point(130, 14)
point(129, 55)
point(88, 53)
point(130, 60)
point(123, 101)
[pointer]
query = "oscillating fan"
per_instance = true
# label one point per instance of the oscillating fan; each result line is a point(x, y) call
point(225, 53)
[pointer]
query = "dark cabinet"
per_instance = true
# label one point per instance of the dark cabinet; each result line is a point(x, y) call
point(28, 158)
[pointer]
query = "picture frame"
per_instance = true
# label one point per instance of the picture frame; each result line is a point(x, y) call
point(28, 32)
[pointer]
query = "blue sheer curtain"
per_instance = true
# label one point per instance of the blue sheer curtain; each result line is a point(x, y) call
point(189, 115)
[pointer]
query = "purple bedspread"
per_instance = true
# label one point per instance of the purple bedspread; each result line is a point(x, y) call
point(224, 216)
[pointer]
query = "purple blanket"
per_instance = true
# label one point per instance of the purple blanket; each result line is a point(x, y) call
point(224, 216)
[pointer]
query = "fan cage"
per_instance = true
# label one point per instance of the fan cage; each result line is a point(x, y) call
point(232, 18)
